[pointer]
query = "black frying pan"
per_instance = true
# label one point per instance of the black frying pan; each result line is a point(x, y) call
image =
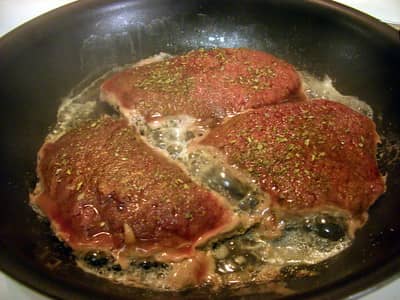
point(44, 60)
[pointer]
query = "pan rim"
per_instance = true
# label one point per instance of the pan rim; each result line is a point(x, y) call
point(388, 271)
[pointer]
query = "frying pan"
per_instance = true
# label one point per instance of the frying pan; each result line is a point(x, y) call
point(56, 54)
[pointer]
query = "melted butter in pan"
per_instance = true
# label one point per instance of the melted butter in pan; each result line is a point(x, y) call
point(248, 255)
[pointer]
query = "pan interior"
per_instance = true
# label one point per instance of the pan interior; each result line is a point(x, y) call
point(56, 55)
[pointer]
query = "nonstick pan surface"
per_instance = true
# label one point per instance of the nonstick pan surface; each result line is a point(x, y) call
point(56, 54)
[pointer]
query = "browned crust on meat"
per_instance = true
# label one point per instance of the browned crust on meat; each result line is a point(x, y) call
point(306, 154)
point(205, 84)
point(102, 187)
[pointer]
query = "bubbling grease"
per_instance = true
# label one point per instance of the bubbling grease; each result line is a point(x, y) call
point(317, 88)
point(248, 255)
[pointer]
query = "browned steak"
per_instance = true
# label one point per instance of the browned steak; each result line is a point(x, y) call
point(307, 154)
point(205, 84)
point(103, 188)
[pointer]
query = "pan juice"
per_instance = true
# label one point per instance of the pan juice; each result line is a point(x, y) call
point(247, 256)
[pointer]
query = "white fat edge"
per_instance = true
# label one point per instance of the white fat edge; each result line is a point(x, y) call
point(323, 88)
point(152, 59)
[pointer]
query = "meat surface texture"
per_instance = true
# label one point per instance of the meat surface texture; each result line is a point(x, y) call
point(216, 174)
point(103, 188)
point(305, 154)
point(205, 84)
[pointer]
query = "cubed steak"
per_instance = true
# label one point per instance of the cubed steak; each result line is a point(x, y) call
point(103, 188)
point(307, 155)
point(205, 84)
